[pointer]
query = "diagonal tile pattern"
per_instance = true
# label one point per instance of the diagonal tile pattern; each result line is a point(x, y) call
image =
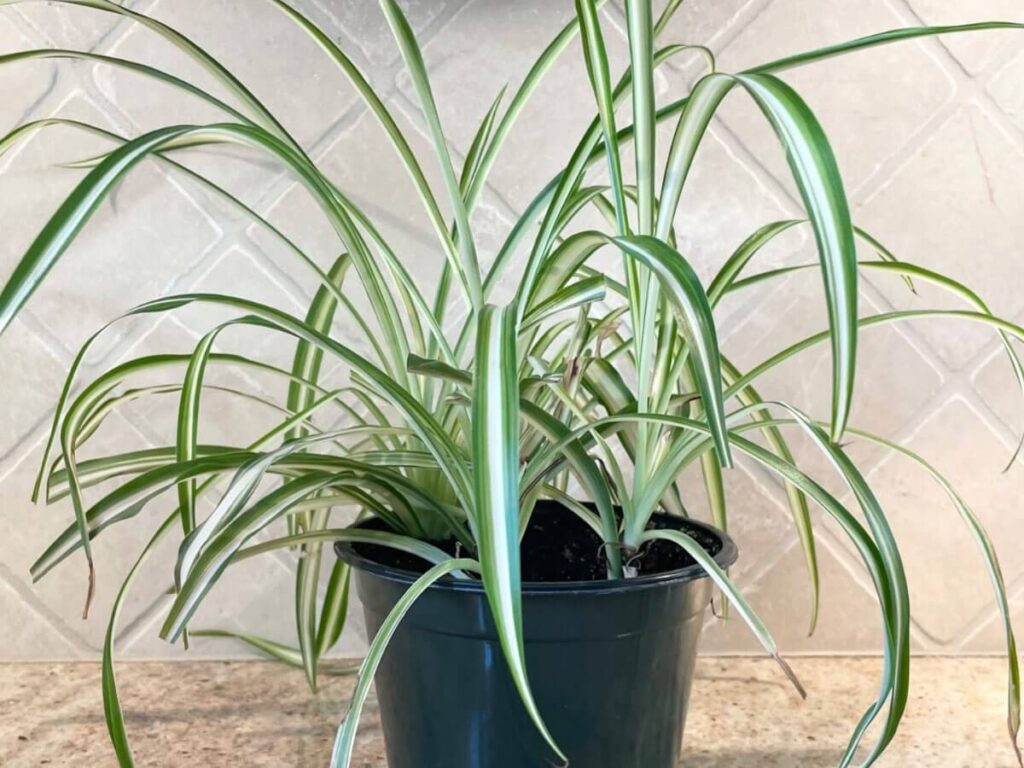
point(929, 136)
point(973, 53)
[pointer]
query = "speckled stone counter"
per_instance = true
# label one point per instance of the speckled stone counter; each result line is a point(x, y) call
point(211, 714)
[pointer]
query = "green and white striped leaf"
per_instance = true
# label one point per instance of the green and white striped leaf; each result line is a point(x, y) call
point(495, 444)
point(344, 742)
point(817, 175)
point(724, 583)
point(426, 457)
point(682, 286)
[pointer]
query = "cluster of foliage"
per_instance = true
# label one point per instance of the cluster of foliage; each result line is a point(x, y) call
point(606, 385)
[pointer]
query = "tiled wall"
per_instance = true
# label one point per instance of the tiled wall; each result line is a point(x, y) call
point(929, 136)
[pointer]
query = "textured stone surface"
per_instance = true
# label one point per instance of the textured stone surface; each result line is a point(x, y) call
point(929, 140)
point(742, 713)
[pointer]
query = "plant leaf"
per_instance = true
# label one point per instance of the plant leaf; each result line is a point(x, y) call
point(344, 742)
point(418, 73)
point(817, 175)
point(334, 608)
point(277, 651)
point(495, 441)
point(596, 59)
point(722, 580)
point(112, 712)
point(682, 286)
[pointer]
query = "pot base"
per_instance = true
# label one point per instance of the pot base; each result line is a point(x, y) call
point(610, 664)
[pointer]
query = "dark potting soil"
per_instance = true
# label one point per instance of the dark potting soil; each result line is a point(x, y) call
point(558, 546)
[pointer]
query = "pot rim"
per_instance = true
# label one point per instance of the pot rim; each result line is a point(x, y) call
point(724, 558)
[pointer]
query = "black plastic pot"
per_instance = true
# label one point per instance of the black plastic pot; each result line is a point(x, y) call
point(610, 663)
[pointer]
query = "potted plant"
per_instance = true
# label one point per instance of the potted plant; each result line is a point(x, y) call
point(523, 547)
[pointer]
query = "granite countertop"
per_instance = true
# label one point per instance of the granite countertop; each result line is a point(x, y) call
point(261, 714)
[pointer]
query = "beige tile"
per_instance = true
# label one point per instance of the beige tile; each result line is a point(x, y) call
point(974, 50)
point(364, 26)
point(706, 22)
point(67, 26)
point(870, 104)
point(31, 380)
point(965, 227)
point(273, 57)
point(240, 274)
point(21, 84)
point(97, 280)
point(758, 517)
point(995, 382)
point(849, 618)
point(491, 43)
point(1005, 87)
point(362, 163)
point(895, 382)
point(725, 200)
point(32, 186)
point(27, 634)
point(30, 529)
point(252, 597)
point(948, 581)
point(937, 181)
point(990, 634)
point(226, 418)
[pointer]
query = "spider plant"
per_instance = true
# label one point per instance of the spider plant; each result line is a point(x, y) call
point(602, 383)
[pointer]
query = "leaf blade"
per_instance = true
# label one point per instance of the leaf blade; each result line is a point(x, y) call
point(817, 175)
point(344, 742)
point(681, 284)
point(495, 440)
